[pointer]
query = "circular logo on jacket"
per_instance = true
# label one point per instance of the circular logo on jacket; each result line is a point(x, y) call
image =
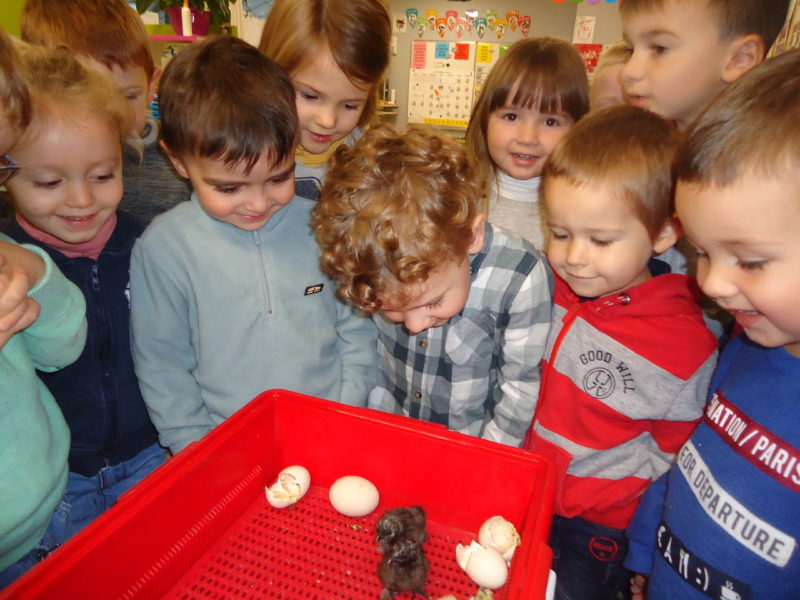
point(604, 549)
point(599, 382)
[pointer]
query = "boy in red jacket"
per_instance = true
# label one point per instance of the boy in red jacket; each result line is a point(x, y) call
point(628, 357)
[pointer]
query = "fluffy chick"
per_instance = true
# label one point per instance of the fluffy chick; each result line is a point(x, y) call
point(403, 567)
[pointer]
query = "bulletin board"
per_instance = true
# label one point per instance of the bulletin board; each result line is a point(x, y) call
point(441, 83)
point(486, 55)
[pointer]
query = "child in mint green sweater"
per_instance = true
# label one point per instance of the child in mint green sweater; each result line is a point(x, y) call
point(42, 326)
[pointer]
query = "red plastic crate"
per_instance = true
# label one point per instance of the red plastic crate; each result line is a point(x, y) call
point(200, 526)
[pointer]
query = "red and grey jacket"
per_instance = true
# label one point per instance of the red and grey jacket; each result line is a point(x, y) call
point(624, 380)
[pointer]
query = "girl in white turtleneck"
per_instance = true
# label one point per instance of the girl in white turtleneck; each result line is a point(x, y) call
point(533, 95)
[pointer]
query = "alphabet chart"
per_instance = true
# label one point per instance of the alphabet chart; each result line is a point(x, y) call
point(441, 83)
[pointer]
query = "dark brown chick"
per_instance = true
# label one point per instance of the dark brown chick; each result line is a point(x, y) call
point(403, 567)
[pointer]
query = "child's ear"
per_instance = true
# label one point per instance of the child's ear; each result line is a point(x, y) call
point(668, 235)
point(478, 234)
point(151, 87)
point(175, 160)
point(745, 53)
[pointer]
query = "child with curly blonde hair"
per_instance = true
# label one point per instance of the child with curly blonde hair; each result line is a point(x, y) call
point(462, 309)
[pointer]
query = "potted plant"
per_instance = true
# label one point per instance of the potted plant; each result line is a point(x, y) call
point(204, 12)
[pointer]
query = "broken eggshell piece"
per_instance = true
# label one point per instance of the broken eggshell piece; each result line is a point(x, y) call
point(484, 566)
point(500, 534)
point(291, 485)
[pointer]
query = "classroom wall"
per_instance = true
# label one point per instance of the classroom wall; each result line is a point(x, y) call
point(547, 18)
point(608, 26)
point(9, 15)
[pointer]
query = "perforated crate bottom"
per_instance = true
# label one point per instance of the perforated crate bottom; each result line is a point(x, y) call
point(310, 551)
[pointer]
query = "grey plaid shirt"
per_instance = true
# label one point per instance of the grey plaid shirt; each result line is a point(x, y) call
point(479, 372)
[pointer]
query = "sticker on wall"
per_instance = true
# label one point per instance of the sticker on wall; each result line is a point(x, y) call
point(461, 26)
point(411, 17)
point(430, 16)
point(452, 17)
point(399, 23)
point(590, 53)
point(420, 29)
point(441, 26)
point(470, 16)
point(512, 18)
point(500, 28)
point(584, 30)
point(491, 18)
point(525, 25)
point(481, 26)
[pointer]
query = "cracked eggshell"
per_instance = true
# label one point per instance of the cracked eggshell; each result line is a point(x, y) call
point(500, 534)
point(354, 496)
point(291, 484)
point(484, 566)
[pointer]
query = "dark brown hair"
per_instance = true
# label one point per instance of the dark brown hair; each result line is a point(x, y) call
point(222, 98)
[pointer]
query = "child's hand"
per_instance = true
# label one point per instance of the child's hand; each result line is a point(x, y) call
point(639, 587)
point(20, 270)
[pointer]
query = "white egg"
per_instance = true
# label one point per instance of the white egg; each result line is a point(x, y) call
point(485, 566)
point(291, 484)
point(500, 534)
point(354, 496)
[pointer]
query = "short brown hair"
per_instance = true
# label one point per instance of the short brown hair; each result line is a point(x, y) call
point(14, 98)
point(753, 127)
point(394, 207)
point(550, 75)
point(61, 86)
point(222, 98)
point(108, 31)
point(356, 32)
point(628, 149)
point(736, 18)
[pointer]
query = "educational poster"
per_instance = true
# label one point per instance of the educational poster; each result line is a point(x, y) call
point(486, 55)
point(440, 83)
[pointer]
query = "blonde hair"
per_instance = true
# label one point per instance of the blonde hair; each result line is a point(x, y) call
point(60, 87)
point(628, 149)
point(356, 32)
point(14, 97)
point(617, 53)
point(108, 31)
point(393, 207)
point(544, 72)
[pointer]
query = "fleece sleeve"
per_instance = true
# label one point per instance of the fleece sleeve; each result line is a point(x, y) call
point(57, 337)
point(163, 352)
point(357, 344)
point(523, 339)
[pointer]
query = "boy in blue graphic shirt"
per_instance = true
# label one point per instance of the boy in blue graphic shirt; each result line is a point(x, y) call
point(722, 523)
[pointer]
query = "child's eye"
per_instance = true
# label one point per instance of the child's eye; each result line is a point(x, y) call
point(436, 304)
point(307, 95)
point(47, 185)
point(658, 50)
point(281, 179)
point(352, 106)
point(509, 116)
point(552, 122)
point(602, 243)
point(558, 236)
point(226, 189)
point(752, 265)
point(104, 178)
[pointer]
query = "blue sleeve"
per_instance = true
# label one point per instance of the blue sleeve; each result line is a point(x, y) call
point(643, 526)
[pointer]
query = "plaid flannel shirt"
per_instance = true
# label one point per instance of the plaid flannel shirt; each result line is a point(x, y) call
point(479, 372)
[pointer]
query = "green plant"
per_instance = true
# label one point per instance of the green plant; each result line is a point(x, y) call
point(220, 9)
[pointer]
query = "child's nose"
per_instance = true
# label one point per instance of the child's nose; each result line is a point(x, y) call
point(529, 133)
point(715, 280)
point(632, 69)
point(81, 196)
point(326, 117)
point(415, 323)
point(576, 252)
